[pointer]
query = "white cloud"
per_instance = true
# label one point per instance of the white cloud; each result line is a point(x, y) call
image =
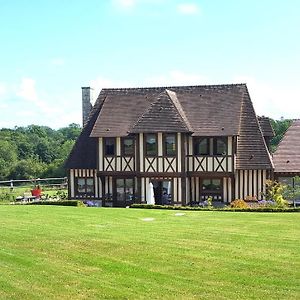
point(272, 100)
point(27, 90)
point(188, 8)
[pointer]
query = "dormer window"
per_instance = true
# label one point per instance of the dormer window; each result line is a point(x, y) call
point(151, 144)
point(128, 146)
point(220, 146)
point(170, 144)
point(109, 146)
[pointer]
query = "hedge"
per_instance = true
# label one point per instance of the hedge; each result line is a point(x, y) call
point(61, 203)
point(248, 209)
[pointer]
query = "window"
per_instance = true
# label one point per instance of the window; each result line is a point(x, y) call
point(125, 188)
point(109, 146)
point(212, 187)
point(170, 144)
point(201, 146)
point(151, 144)
point(128, 146)
point(220, 146)
point(210, 146)
point(85, 185)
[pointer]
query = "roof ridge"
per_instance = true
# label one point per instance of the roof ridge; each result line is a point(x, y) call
point(174, 86)
point(179, 109)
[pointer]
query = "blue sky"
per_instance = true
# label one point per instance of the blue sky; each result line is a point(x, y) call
point(51, 48)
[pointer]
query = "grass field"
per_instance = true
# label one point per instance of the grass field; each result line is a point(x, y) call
point(103, 253)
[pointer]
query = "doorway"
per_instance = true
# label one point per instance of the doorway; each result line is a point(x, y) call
point(162, 192)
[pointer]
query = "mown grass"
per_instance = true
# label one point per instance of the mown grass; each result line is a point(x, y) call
point(102, 253)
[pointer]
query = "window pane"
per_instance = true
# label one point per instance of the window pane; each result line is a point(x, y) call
point(201, 146)
point(216, 184)
point(81, 185)
point(128, 189)
point(151, 144)
point(120, 189)
point(170, 144)
point(90, 185)
point(220, 147)
point(128, 146)
point(166, 192)
point(109, 146)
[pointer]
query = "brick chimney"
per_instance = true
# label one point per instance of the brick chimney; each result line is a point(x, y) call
point(86, 104)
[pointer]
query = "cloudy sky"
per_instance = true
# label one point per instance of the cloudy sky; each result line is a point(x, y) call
point(51, 48)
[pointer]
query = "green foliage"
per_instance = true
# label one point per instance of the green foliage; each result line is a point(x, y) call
point(77, 203)
point(280, 127)
point(35, 151)
point(274, 192)
point(292, 192)
point(227, 208)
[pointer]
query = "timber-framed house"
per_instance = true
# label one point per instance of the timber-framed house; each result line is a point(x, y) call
point(190, 143)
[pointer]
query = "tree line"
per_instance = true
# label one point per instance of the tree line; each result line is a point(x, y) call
point(39, 151)
point(35, 151)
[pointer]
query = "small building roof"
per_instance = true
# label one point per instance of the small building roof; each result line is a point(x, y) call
point(286, 158)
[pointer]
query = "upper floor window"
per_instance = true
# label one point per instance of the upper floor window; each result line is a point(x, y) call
point(210, 146)
point(109, 146)
point(170, 144)
point(151, 144)
point(201, 146)
point(220, 146)
point(128, 146)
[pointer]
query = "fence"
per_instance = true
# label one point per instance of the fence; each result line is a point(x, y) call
point(59, 182)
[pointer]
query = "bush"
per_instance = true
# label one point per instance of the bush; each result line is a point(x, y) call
point(77, 203)
point(239, 203)
point(228, 208)
point(274, 192)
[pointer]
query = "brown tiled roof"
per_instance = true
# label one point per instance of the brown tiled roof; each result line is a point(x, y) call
point(84, 152)
point(252, 152)
point(287, 156)
point(266, 126)
point(210, 110)
point(163, 115)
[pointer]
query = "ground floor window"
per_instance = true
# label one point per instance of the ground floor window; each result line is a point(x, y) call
point(124, 190)
point(85, 186)
point(211, 187)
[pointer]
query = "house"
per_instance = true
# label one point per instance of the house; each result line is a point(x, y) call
point(286, 158)
point(189, 142)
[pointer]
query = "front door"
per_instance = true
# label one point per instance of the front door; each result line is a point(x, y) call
point(162, 192)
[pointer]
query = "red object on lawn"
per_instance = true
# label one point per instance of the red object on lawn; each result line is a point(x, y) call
point(36, 192)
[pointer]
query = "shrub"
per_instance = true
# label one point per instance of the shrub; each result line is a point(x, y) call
point(239, 203)
point(77, 203)
point(274, 191)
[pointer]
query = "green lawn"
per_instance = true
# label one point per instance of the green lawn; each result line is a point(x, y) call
point(102, 253)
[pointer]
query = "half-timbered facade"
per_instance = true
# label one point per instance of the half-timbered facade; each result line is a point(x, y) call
point(186, 143)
